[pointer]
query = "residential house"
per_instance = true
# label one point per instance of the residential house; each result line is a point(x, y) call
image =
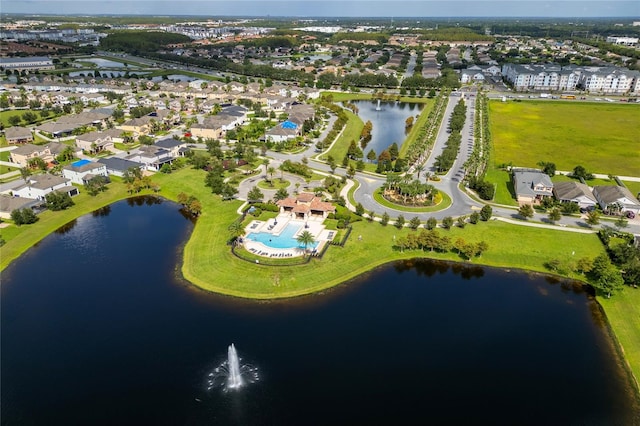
point(616, 199)
point(38, 186)
point(15, 135)
point(574, 192)
point(22, 154)
point(138, 126)
point(153, 157)
point(117, 166)
point(94, 142)
point(82, 171)
point(306, 206)
point(283, 131)
point(531, 186)
point(176, 147)
point(9, 204)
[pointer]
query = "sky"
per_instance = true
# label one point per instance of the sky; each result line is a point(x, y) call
point(332, 8)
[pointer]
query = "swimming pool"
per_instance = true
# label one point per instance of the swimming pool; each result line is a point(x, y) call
point(285, 240)
point(80, 163)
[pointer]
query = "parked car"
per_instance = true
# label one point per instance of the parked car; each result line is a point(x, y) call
point(631, 215)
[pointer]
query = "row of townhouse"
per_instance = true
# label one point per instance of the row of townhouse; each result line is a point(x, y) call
point(552, 77)
point(532, 186)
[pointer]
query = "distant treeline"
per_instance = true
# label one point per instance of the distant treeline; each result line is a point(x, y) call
point(137, 42)
point(380, 38)
point(453, 34)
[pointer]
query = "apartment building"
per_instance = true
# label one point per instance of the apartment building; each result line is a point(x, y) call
point(553, 77)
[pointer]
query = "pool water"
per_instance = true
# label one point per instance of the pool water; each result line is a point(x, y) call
point(80, 163)
point(285, 240)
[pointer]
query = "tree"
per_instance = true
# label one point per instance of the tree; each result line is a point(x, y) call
point(474, 217)
point(447, 222)
point(95, 185)
point(555, 214)
point(255, 195)
point(462, 221)
point(194, 207)
point(228, 191)
point(24, 216)
point(265, 163)
point(281, 194)
point(235, 230)
point(371, 155)
point(605, 276)
point(384, 220)
point(270, 172)
point(305, 238)
point(579, 172)
point(14, 120)
point(67, 154)
point(593, 218)
point(526, 211)
point(432, 222)
point(58, 201)
point(621, 222)
point(25, 173)
point(359, 209)
point(548, 168)
point(486, 212)
point(182, 198)
point(481, 247)
point(400, 222)
point(414, 223)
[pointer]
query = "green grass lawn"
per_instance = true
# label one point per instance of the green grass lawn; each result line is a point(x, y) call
point(351, 132)
point(503, 184)
point(601, 137)
point(275, 183)
point(634, 187)
point(593, 182)
point(208, 262)
point(623, 312)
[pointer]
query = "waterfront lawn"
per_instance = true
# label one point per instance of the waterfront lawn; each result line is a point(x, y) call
point(209, 263)
point(623, 311)
point(351, 132)
point(600, 137)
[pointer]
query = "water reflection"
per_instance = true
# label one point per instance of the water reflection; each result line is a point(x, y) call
point(142, 200)
point(102, 212)
point(67, 227)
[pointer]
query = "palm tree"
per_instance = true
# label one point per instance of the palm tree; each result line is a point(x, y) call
point(305, 238)
point(265, 163)
point(236, 230)
point(271, 171)
point(419, 168)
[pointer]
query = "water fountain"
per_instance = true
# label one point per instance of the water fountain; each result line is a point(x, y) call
point(232, 374)
point(235, 378)
point(378, 108)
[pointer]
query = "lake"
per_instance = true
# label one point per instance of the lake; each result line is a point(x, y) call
point(388, 122)
point(98, 328)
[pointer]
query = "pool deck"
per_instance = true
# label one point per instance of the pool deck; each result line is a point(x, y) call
point(276, 226)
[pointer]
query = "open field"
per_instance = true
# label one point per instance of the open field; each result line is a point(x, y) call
point(601, 137)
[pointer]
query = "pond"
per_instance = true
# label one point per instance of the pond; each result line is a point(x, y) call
point(388, 122)
point(106, 73)
point(106, 63)
point(174, 77)
point(98, 329)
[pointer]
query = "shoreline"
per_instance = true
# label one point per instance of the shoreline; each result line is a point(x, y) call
point(190, 266)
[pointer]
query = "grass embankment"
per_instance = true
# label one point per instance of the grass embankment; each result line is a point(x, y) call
point(351, 132)
point(209, 264)
point(600, 137)
point(623, 313)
